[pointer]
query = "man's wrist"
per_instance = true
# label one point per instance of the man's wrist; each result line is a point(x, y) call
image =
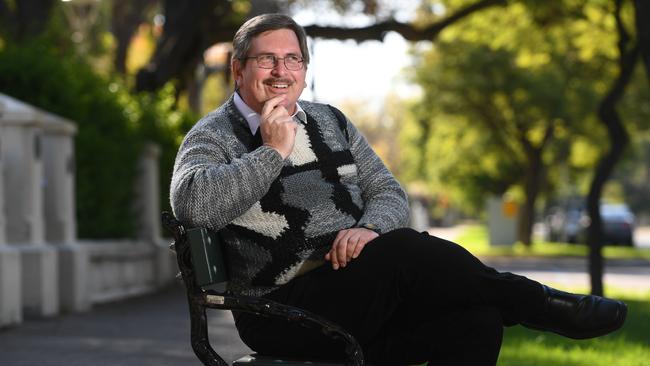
point(371, 227)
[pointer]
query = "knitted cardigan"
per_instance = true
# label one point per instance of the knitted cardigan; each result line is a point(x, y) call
point(279, 217)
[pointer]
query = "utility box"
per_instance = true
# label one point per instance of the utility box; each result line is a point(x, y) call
point(503, 221)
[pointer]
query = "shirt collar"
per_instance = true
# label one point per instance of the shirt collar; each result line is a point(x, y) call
point(253, 118)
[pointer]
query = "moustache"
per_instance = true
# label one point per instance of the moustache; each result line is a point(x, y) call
point(271, 81)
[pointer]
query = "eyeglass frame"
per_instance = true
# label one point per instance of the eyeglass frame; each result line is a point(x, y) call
point(276, 60)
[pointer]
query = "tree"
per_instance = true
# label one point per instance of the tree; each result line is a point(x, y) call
point(26, 18)
point(629, 52)
point(126, 17)
point(194, 25)
point(499, 106)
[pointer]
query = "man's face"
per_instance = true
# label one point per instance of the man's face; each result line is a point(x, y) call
point(257, 85)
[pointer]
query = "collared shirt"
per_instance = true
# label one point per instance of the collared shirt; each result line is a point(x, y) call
point(253, 118)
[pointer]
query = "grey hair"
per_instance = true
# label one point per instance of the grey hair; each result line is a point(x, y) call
point(241, 43)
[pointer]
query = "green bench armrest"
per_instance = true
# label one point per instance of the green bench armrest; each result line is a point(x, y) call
point(207, 256)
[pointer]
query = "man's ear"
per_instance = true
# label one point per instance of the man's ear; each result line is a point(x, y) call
point(235, 67)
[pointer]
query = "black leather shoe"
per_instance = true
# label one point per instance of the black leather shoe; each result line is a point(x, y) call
point(578, 316)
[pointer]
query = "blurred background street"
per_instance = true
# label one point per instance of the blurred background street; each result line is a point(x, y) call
point(512, 125)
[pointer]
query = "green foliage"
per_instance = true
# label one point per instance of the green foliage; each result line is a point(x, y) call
point(106, 144)
point(162, 122)
point(112, 127)
point(494, 87)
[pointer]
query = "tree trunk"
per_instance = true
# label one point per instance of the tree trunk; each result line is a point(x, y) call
point(618, 139)
point(642, 9)
point(29, 17)
point(181, 45)
point(126, 17)
point(532, 187)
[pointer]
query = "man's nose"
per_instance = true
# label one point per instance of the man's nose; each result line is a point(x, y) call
point(279, 68)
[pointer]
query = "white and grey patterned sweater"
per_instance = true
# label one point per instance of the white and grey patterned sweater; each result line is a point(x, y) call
point(279, 217)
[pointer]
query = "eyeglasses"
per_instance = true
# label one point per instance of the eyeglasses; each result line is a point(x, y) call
point(291, 62)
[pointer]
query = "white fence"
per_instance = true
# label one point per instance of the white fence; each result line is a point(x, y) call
point(44, 268)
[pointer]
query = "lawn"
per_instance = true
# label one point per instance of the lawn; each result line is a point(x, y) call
point(475, 239)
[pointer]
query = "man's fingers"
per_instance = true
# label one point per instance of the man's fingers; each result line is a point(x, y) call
point(353, 241)
point(270, 104)
point(334, 258)
point(358, 248)
point(279, 114)
point(348, 245)
point(341, 250)
point(332, 255)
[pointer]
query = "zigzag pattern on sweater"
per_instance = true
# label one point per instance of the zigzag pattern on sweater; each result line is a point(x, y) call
point(279, 222)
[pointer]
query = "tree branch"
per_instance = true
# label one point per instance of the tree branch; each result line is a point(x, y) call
point(183, 44)
point(642, 10)
point(410, 32)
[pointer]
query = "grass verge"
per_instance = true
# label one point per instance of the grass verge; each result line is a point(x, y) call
point(475, 239)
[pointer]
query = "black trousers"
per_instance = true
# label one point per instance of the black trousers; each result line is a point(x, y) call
point(408, 298)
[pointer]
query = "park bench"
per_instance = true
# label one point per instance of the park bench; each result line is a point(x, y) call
point(205, 274)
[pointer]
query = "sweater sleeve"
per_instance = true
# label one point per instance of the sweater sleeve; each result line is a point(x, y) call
point(386, 203)
point(210, 189)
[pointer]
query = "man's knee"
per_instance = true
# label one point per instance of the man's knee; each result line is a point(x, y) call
point(485, 325)
point(403, 233)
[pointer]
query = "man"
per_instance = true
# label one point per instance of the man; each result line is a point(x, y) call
point(312, 218)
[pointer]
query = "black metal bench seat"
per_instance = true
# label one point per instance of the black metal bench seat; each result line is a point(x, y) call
point(201, 264)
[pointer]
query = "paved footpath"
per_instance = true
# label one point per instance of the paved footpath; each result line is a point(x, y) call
point(627, 275)
point(572, 273)
point(147, 331)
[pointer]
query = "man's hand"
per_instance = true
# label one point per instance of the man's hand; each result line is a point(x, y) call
point(348, 245)
point(278, 129)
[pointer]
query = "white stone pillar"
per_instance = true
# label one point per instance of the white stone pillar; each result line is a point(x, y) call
point(23, 191)
point(3, 229)
point(148, 195)
point(10, 293)
point(148, 208)
point(60, 213)
point(74, 270)
point(21, 150)
point(59, 165)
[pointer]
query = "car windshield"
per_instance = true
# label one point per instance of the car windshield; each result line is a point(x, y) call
point(615, 211)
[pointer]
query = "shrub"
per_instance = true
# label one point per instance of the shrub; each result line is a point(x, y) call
point(112, 126)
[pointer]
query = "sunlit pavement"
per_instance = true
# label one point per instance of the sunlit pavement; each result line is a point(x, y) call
point(627, 275)
point(572, 273)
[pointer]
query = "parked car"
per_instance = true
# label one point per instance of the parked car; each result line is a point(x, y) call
point(567, 225)
point(618, 224)
point(570, 225)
